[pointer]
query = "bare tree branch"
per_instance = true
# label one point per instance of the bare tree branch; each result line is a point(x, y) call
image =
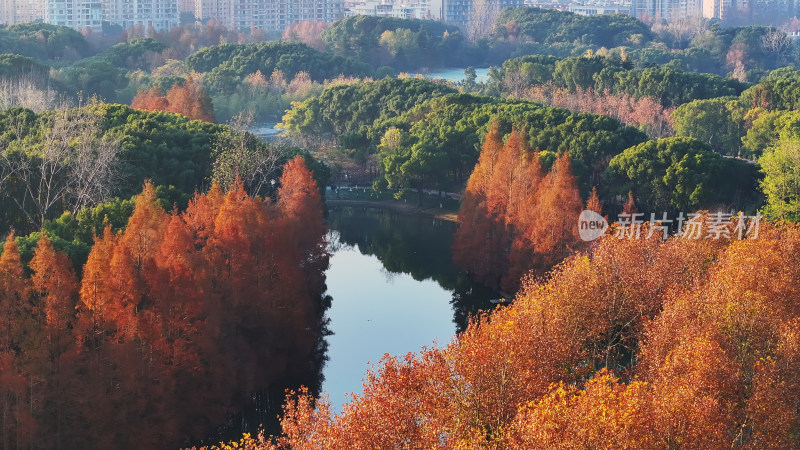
point(72, 167)
point(241, 154)
point(483, 16)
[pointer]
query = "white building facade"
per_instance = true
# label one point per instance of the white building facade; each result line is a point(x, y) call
point(79, 14)
point(165, 14)
point(459, 12)
point(400, 9)
point(271, 15)
point(159, 14)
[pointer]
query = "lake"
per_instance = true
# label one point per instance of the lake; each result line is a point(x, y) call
point(395, 289)
point(456, 75)
point(266, 131)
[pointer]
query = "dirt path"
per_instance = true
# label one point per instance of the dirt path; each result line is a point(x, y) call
point(396, 205)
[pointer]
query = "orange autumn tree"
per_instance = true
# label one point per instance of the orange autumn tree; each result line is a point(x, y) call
point(683, 343)
point(554, 234)
point(187, 98)
point(513, 217)
point(477, 245)
point(150, 100)
point(16, 320)
point(224, 299)
point(55, 287)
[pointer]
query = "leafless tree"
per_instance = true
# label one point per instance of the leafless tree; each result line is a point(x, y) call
point(482, 18)
point(241, 154)
point(29, 91)
point(778, 42)
point(74, 165)
point(94, 166)
point(681, 29)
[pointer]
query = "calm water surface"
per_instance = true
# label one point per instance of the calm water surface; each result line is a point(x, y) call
point(456, 75)
point(395, 290)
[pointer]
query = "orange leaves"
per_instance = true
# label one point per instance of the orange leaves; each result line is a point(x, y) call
point(16, 312)
point(298, 192)
point(220, 300)
point(410, 388)
point(772, 409)
point(555, 232)
point(188, 99)
point(150, 100)
point(698, 376)
point(300, 203)
point(15, 305)
point(513, 218)
point(55, 282)
point(593, 204)
point(640, 344)
point(605, 414)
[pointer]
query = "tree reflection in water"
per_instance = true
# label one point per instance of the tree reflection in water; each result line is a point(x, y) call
point(415, 245)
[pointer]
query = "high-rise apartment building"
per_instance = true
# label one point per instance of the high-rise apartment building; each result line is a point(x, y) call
point(74, 13)
point(268, 14)
point(21, 11)
point(668, 10)
point(451, 11)
point(160, 14)
point(6, 12)
point(402, 9)
point(185, 6)
point(164, 14)
point(459, 12)
point(218, 10)
point(717, 9)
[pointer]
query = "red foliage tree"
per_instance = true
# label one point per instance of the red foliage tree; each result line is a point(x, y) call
point(150, 100)
point(478, 242)
point(558, 207)
point(187, 98)
point(307, 32)
point(16, 327)
point(514, 219)
point(640, 344)
point(56, 285)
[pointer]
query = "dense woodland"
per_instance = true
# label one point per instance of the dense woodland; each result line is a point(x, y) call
point(644, 343)
point(119, 304)
point(168, 322)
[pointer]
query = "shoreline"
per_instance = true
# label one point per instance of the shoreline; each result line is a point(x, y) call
point(396, 205)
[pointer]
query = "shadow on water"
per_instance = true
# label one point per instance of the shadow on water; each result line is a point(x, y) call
point(263, 409)
point(416, 245)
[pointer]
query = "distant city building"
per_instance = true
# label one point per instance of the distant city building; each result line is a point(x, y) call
point(451, 11)
point(402, 9)
point(218, 10)
point(159, 14)
point(593, 10)
point(276, 15)
point(735, 11)
point(717, 9)
point(460, 11)
point(77, 14)
point(186, 6)
point(7, 12)
point(21, 11)
point(668, 10)
point(272, 15)
point(165, 14)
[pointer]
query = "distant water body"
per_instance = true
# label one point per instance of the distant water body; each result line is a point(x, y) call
point(455, 75)
point(395, 290)
point(267, 131)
